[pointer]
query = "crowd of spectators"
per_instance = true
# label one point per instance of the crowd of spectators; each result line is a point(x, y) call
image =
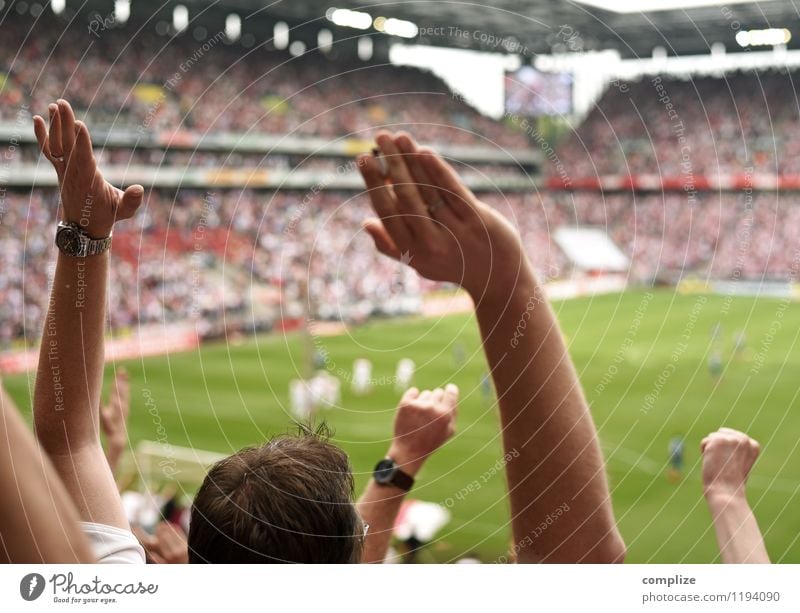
point(292, 498)
point(729, 235)
point(194, 255)
point(675, 127)
point(132, 77)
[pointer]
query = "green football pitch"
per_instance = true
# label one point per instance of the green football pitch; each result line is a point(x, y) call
point(643, 359)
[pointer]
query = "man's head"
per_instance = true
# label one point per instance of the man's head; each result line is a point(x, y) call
point(290, 500)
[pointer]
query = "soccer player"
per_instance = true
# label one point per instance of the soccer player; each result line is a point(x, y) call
point(715, 365)
point(676, 448)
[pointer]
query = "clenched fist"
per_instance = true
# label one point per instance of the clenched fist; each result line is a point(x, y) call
point(728, 456)
point(424, 422)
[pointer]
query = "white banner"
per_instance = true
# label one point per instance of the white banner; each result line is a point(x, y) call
point(400, 589)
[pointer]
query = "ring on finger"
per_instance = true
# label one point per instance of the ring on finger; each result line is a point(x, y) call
point(435, 206)
point(58, 158)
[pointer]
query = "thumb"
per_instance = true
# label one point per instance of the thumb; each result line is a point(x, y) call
point(131, 200)
point(383, 242)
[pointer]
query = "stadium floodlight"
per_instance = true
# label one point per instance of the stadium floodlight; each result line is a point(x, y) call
point(400, 27)
point(349, 19)
point(763, 38)
point(233, 27)
point(58, 6)
point(651, 6)
point(325, 40)
point(122, 10)
point(365, 48)
point(297, 48)
point(280, 35)
point(180, 18)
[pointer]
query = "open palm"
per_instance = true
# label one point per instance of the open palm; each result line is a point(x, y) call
point(86, 197)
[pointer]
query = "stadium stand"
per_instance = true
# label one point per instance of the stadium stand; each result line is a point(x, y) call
point(209, 240)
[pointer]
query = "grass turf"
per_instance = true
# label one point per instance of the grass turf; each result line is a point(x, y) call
point(642, 358)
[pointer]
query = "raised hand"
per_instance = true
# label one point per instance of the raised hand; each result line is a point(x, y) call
point(430, 220)
point(728, 457)
point(87, 199)
point(114, 418)
point(167, 545)
point(424, 422)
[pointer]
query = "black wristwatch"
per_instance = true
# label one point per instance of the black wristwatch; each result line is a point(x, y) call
point(388, 473)
point(73, 241)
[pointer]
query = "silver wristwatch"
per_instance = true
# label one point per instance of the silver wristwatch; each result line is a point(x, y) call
point(73, 241)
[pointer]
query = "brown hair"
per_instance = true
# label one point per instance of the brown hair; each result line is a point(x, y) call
point(290, 500)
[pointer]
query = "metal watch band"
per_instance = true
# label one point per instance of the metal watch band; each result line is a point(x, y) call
point(98, 246)
point(86, 246)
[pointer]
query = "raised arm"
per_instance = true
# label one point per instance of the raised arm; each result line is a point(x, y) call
point(424, 422)
point(38, 521)
point(427, 213)
point(70, 374)
point(114, 418)
point(728, 456)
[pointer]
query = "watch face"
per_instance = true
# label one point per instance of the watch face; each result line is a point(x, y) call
point(384, 471)
point(68, 240)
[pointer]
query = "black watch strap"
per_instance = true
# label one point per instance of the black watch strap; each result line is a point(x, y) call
point(387, 472)
point(402, 480)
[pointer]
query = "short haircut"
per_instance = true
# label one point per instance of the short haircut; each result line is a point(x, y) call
point(288, 501)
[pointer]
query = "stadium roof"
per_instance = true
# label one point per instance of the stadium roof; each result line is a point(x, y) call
point(533, 25)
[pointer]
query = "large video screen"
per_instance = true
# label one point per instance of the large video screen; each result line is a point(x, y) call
point(533, 93)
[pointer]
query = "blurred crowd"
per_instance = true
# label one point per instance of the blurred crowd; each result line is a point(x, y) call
point(134, 78)
point(683, 128)
point(728, 235)
point(269, 256)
